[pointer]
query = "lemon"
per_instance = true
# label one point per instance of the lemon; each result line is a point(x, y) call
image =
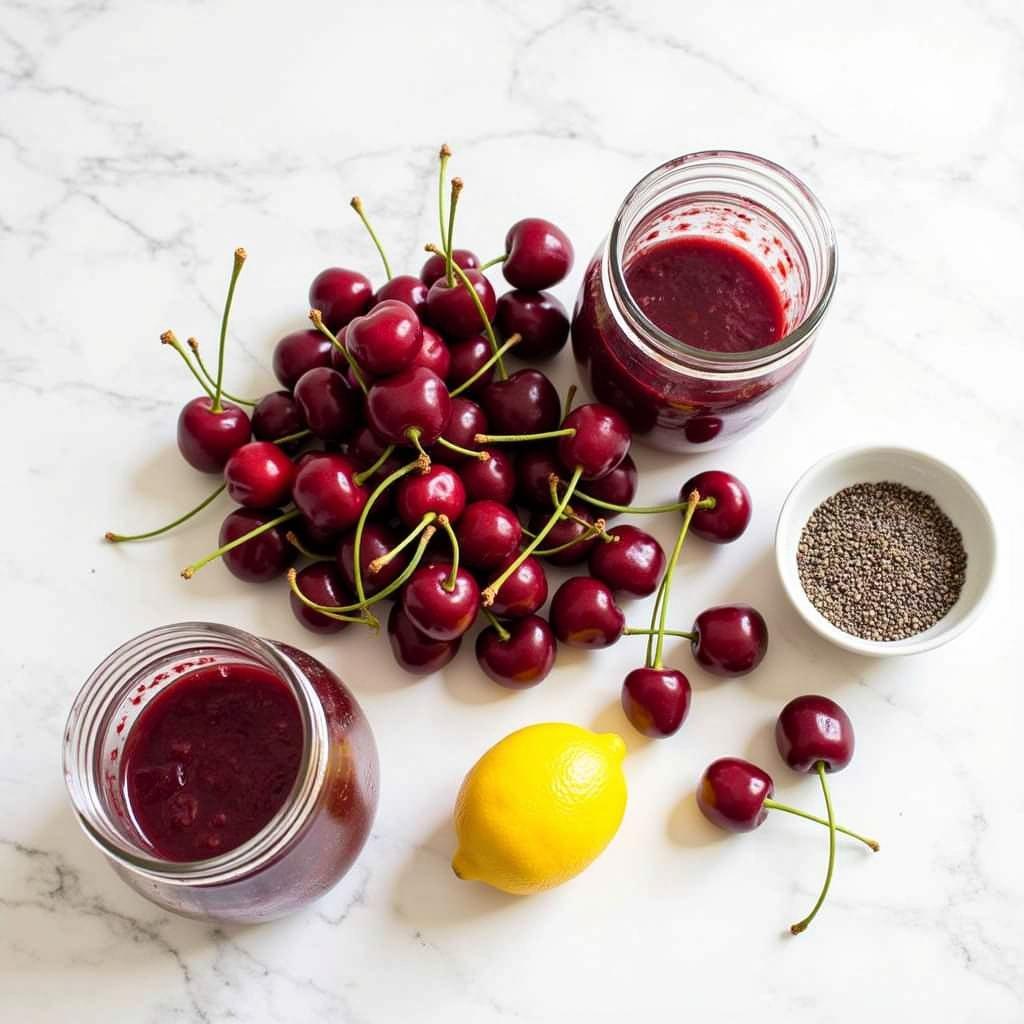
point(539, 806)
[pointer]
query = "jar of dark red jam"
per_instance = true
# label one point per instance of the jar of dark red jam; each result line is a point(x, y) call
point(701, 306)
point(223, 776)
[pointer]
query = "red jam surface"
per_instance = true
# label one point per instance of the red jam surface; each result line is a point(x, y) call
point(211, 759)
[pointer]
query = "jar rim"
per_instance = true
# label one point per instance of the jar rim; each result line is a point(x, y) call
point(724, 362)
point(256, 851)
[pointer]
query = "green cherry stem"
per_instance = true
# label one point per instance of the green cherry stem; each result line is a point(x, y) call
point(800, 926)
point(445, 523)
point(318, 322)
point(121, 538)
point(292, 539)
point(509, 438)
point(169, 338)
point(591, 532)
point(774, 805)
point(357, 204)
point(362, 477)
point(570, 397)
point(190, 570)
point(443, 156)
point(382, 560)
point(503, 634)
point(569, 513)
point(414, 434)
point(493, 263)
point(193, 344)
point(235, 271)
point(288, 438)
point(636, 631)
point(459, 450)
point(448, 261)
point(470, 381)
point(666, 583)
point(643, 510)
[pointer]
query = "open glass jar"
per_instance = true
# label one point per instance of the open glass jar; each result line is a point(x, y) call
point(309, 843)
point(678, 397)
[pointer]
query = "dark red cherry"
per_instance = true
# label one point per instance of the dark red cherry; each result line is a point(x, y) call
point(584, 614)
point(452, 310)
point(340, 295)
point(404, 288)
point(365, 449)
point(632, 564)
point(494, 478)
point(311, 537)
point(732, 639)
point(259, 475)
point(525, 403)
point(435, 265)
point(299, 352)
point(656, 700)
point(321, 583)
point(732, 792)
point(810, 729)
point(206, 438)
point(466, 358)
point(702, 429)
point(600, 443)
point(521, 659)
point(523, 592)
point(617, 487)
point(538, 254)
point(488, 534)
point(377, 540)
point(263, 558)
point(467, 420)
point(338, 360)
point(534, 469)
point(564, 531)
point(277, 415)
point(386, 339)
point(330, 405)
point(538, 318)
point(327, 494)
point(434, 354)
point(417, 654)
point(440, 490)
point(731, 514)
point(436, 611)
point(415, 399)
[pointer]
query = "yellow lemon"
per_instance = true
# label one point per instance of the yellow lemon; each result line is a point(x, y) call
point(539, 806)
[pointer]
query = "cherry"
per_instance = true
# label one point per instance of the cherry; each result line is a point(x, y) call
point(309, 536)
point(441, 601)
point(299, 352)
point(386, 339)
point(730, 515)
point(600, 442)
point(377, 541)
point(434, 268)
point(584, 614)
point(440, 490)
point(534, 469)
point(467, 420)
point(327, 493)
point(367, 450)
point(494, 478)
point(813, 729)
point(731, 639)
point(538, 254)
point(466, 358)
point(340, 295)
point(276, 415)
point(264, 557)
point(518, 655)
point(656, 700)
point(206, 438)
point(524, 403)
point(566, 535)
point(414, 402)
point(732, 794)
point(616, 488)
point(632, 564)
point(451, 309)
point(404, 288)
point(416, 653)
point(321, 583)
point(488, 534)
point(434, 354)
point(701, 429)
point(338, 359)
point(329, 404)
point(259, 475)
point(523, 592)
point(538, 317)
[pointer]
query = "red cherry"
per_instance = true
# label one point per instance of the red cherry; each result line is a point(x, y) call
point(266, 556)
point(584, 614)
point(436, 611)
point(493, 479)
point(413, 400)
point(525, 403)
point(329, 404)
point(656, 700)
point(618, 487)
point(563, 532)
point(276, 415)
point(327, 494)
point(488, 535)
point(452, 310)
point(404, 288)
point(731, 514)
point(259, 475)
point(600, 443)
point(521, 658)
point(434, 267)
point(434, 354)
point(632, 564)
point(813, 729)
point(466, 358)
point(386, 339)
point(539, 254)
point(206, 438)
point(440, 490)
point(732, 792)
point(467, 420)
point(365, 450)
point(523, 592)
point(538, 318)
point(377, 540)
point(299, 352)
point(416, 653)
point(322, 584)
point(340, 295)
point(534, 468)
point(732, 639)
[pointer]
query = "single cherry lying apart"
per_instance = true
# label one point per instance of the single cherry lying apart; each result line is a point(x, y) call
point(730, 639)
point(656, 700)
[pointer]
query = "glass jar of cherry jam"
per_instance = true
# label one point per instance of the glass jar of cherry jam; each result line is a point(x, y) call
point(223, 776)
point(703, 302)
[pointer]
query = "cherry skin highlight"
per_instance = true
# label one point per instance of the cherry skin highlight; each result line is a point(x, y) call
point(415, 399)
point(584, 614)
point(299, 352)
point(434, 267)
point(732, 639)
point(600, 443)
point(259, 475)
point(341, 295)
point(417, 654)
point(327, 494)
point(489, 534)
point(539, 254)
point(440, 490)
point(731, 515)
point(813, 729)
point(633, 564)
point(206, 438)
point(538, 318)
point(329, 404)
point(656, 700)
point(322, 584)
point(522, 660)
point(264, 557)
point(385, 340)
point(452, 310)
point(732, 792)
point(435, 611)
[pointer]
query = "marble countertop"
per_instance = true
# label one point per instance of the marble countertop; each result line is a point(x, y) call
point(140, 143)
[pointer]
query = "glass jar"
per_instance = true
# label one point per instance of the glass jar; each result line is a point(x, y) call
point(304, 849)
point(677, 397)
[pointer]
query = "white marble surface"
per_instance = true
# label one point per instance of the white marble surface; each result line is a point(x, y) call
point(141, 142)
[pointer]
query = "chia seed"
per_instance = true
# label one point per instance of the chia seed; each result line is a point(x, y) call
point(881, 561)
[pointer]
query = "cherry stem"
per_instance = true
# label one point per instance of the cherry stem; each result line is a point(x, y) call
point(445, 523)
point(235, 271)
point(592, 531)
point(382, 560)
point(645, 510)
point(493, 263)
point(491, 591)
point(449, 262)
point(774, 805)
point(800, 926)
point(361, 478)
point(357, 204)
point(503, 634)
point(292, 539)
point(288, 438)
point(570, 397)
point(120, 538)
point(484, 367)
point(318, 322)
point(413, 434)
point(194, 345)
point(509, 438)
point(444, 155)
point(459, 450)
point(666, 582)
point(599, 523)
point(189, 571)
point(169, 338)
point(636, 631)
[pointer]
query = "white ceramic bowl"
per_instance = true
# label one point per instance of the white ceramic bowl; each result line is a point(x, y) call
point(955, 497)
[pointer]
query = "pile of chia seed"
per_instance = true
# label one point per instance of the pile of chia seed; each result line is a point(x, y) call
point(881, 561)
